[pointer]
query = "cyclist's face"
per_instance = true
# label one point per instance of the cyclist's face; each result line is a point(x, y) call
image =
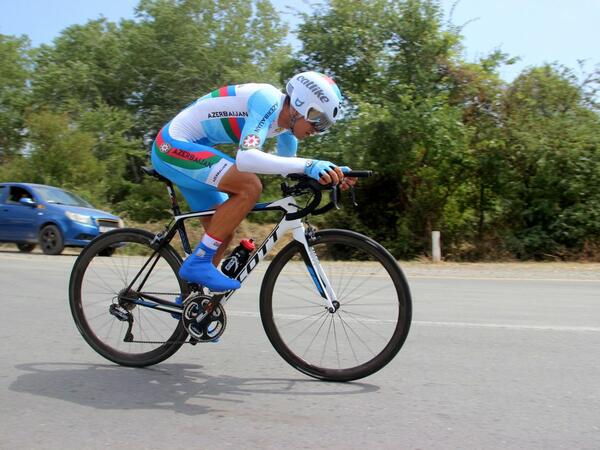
point(304, 128)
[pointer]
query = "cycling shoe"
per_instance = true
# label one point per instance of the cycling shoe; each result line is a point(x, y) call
point(179, 301)
point(198, 268)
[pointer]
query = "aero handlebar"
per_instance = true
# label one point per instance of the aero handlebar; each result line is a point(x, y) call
point(307, 185)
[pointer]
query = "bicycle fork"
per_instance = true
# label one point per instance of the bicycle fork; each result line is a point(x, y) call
point(313, 265)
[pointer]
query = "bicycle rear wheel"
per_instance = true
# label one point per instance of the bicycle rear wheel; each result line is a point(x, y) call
point(98, 281)
point(363, 334)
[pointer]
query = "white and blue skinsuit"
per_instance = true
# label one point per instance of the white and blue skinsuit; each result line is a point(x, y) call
point(245, 115)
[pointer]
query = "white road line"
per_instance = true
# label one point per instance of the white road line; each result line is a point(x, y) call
point(545, 280)
point(449, 324)
point(506, 326)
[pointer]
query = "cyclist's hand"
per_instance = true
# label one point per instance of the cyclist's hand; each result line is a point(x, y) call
point(324, 171)
point(347, 182)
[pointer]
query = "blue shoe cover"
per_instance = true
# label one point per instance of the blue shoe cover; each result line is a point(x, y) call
point(179, 301)
point(198, 268)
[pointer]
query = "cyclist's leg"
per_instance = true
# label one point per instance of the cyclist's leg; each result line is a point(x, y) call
point(244, 190)
point(200, 199)
point(197, 170)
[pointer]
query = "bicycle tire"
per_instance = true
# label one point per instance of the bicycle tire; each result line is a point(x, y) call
point(343, 246)
point(91, 263)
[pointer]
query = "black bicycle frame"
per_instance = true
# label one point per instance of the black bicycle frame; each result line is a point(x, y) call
point(178, 226)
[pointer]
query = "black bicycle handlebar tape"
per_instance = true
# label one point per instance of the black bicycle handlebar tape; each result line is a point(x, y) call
point(359, 173)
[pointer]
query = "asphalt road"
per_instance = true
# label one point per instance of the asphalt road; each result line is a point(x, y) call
point(494, 359)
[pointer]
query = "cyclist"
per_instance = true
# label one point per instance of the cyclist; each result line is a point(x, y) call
point(245, 115)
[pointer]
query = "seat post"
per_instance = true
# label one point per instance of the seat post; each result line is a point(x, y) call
point(174, 205)
point(173, 197)
point(185, 242)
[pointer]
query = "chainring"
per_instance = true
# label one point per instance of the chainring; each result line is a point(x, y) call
point(213, 318)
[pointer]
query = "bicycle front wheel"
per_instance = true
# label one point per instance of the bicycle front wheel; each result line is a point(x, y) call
point(101, 278)
point(373, 316)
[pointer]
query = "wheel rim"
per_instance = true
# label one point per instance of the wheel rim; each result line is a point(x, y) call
point(49, 239)
point(368, 320)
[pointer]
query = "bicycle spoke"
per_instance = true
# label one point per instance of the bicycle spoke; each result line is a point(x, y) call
point(337, 348)
point(372, 319)
point(354, 289)
point(305, 318)
point(304, 299)
point(317, 305)
point(349, 341)
point(316, 334)
point(350, 278)
point(326, 340)
point(301, 333)
point(347, 302)
point(112, 323)
point(368, 328)
point(97, 276)
point(118, 270)
point(108, 321)
point(358, 336)
point(91, 319)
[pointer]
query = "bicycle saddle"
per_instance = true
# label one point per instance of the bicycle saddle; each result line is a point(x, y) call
point(153, 173)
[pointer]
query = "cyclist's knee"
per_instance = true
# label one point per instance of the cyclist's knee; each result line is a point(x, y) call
point(254, 187)
point(250, 190)
point(244, 184)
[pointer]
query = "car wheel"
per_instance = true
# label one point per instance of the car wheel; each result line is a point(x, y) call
point(107, 252)
point(25, 248)
point(51, 240)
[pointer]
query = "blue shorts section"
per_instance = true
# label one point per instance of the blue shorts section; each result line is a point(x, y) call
point(192, 183)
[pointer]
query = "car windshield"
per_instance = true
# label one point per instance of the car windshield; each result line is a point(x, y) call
point(60, 197)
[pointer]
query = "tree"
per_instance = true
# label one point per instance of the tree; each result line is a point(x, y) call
point(388, 59)
point(61, 155)
point(83, 68)
point(553, 199)
point(181, 49)
point(15, 70)
point(478, 90)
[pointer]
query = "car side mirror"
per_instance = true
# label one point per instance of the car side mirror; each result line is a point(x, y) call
point(28, 202)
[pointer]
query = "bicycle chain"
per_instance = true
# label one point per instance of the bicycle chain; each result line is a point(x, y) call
point(167, 342)
point(194, 342)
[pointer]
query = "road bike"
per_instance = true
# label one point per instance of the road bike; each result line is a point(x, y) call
point(334, 303)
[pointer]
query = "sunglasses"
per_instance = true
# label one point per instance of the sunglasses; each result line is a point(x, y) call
point(318, 119)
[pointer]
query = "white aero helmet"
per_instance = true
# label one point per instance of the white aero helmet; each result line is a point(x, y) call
point(316, 97)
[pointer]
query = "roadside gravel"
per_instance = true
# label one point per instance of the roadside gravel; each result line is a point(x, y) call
point(424, 269)
point(508, 270)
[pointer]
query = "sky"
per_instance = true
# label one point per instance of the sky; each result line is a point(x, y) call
point(537, 31)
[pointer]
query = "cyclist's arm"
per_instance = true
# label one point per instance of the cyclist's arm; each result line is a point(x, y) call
point(257, 161)
point(250, 157)
point(287, 144)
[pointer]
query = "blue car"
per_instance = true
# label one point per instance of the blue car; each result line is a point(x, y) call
point(33, 214)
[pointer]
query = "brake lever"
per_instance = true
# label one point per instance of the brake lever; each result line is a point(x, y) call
point(353, 196)
point(334, 196)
